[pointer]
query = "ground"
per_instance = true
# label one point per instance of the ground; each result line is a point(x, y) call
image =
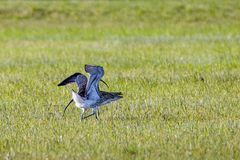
point(176, 63)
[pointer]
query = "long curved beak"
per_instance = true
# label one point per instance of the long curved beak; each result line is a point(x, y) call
point(104, 82)
point(67, 106)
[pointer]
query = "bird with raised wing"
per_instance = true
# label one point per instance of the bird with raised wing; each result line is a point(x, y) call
point(81, 81)
point(93, 92)
point(89, 94)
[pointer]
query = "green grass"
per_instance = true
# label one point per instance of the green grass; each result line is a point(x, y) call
point(154, 52)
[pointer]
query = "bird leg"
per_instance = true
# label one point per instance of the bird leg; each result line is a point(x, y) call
point(82, 114)
point(89, 115)
point(95, 112)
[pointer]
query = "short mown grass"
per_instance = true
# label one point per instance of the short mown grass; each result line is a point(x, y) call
point(176, 62)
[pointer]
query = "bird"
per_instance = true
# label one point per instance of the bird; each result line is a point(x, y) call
point(88, 94)
point(93, 92)
point(81, 81)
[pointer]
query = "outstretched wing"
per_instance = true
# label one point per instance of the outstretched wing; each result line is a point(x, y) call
point(78, 78)
point(69, 79)
point(96, 73)
point(81, 81)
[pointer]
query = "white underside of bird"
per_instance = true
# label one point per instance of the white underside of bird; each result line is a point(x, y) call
point(82, 102)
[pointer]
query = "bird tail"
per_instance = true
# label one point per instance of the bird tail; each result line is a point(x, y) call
point(111, 93)
point(110, 97)
point(117, 95)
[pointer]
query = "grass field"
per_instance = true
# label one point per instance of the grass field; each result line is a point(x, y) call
point(154, 52)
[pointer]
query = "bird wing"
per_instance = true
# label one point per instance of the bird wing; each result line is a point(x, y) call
point(73, 78)
point(78, 78)
point(96, 73)
point(81, 81)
